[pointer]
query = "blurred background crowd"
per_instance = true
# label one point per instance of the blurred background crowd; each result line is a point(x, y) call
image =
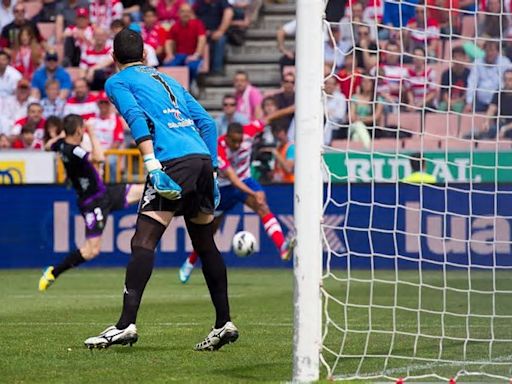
point(399, 75)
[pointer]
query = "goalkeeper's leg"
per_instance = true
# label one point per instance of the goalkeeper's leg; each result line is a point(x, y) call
point(201, 231)
point(187, 267)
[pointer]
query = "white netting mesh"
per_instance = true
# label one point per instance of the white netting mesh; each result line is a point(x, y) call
point(417, 281)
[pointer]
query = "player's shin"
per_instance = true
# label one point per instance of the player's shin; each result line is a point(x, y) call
point(148, 232)
point(273, 229)
point(214, 269)
point(74, 259)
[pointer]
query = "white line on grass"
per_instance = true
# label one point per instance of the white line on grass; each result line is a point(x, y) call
point(392, 371)
point(177, 325)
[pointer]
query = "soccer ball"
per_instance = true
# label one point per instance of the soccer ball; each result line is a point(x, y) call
point(244, 244)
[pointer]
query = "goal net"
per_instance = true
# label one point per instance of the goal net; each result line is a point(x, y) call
point(417, 213)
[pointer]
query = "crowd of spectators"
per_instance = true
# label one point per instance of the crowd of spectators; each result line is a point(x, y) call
point(414, 57)
point(381, 58)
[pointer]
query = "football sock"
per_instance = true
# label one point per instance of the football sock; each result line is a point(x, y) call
point(192, 259)
point(214, 269)
point(74, 259)
point(273, 229)
point(147, 235)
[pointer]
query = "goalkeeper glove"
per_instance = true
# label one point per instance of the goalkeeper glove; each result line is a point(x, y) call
point(216, 191)
point(162, 182)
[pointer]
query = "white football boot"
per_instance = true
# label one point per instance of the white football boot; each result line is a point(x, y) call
point(218, 337)
point(111, 336)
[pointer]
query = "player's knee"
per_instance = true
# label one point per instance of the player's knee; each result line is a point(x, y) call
point(148, 232)
point(263, 210)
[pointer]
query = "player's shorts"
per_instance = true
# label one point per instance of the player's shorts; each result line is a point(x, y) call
point(194, 174)
point(230, 196)
point(95, 211)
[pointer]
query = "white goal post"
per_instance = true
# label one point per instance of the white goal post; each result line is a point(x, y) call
point(397, 277)
point(308, 191)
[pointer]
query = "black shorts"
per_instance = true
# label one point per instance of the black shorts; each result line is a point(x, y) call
point(96, 212)
point(194, 174)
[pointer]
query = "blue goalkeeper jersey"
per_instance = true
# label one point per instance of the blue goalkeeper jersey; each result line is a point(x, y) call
point(157, 107)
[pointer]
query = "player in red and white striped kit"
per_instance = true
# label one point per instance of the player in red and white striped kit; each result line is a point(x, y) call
point(237, 186)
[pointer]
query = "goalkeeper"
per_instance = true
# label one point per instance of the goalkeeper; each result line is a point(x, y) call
point(178, 141)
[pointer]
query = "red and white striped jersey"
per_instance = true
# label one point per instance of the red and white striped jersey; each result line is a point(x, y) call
point(421, 83)
point(392, 76)
point(82, 37)
point(239, 160)
point(90, 57)
point(428, 33)
point(103, 12)
point(108, 130)
point(38, 134)
point(86, 108)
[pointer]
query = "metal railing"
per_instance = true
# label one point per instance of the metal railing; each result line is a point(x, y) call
point(121, 165)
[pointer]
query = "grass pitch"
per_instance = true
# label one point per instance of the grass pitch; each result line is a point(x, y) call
point(42, 334)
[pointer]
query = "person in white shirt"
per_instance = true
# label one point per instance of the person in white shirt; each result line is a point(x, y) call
point(9, 76)
point(485, 78)
point(336, 109)
point(6, 13)
point(13, 108)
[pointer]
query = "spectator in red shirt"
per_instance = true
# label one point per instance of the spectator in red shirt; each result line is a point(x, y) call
point(97, 61)
point(446, 13)
point(187, 41)
point(82, 102)
point(168, 10)
point(350, 76)
point(27, 53)
point(35, 117)
point(27, 138)
point(77, 38)
point(152, 32)
point(421, 30)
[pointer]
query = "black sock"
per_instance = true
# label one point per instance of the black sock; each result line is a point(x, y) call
point(214, 269)
point(138, 273)
point(148, 232)
point(74, 259)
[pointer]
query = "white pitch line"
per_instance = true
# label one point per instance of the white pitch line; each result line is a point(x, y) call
point(391, 371)
point(25, 324)
point(117, 296)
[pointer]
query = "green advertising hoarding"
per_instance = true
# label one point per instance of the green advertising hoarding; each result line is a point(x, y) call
point(452, 167)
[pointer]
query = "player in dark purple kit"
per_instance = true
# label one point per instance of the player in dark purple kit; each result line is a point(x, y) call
point(95, 199)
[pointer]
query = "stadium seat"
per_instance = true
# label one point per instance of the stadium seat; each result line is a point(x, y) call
point(178, 73)
point(455, 144)
point(348, 145)
point(421, 143)
point(492, 146)
point(470, 123)
point(405, 121)
point(47, 30)
point(441, 124)
point(387, 145)
point(32, 8)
